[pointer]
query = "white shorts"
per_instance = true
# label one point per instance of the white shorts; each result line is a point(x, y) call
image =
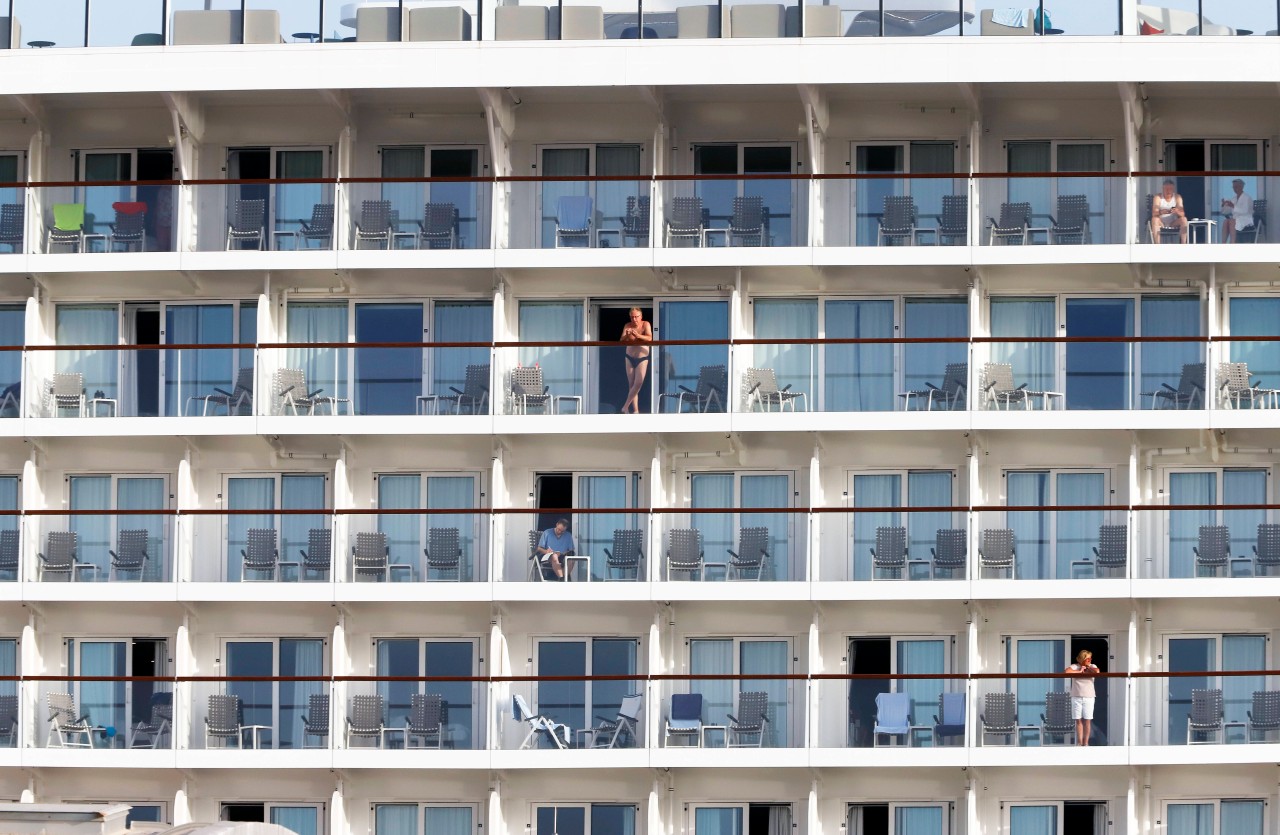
point(1082, 707)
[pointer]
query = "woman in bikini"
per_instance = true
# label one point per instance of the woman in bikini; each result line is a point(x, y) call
point(636, 335)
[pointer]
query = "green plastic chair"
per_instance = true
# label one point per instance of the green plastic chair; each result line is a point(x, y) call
point(68, 226)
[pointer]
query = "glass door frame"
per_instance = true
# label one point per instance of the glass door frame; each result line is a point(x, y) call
point(820, 396)
point(797, 206)
point(1165, 564)
point(1211, 183)
point(477, 688)
point(479, 526)
point(588, 687)
point(591, 148)
point(224, 501)
point(236, 306)
point(959, 487)
point(1052, 474)
point(223, 667)
point(947, 807)
point(907, 170)
point(1212, 679)
point(796, 550)
point(322, 822)
point(795, 722)
point(167, 569)
point(74, 644)
point(591, 356)
point(633, 487)
point(1006, 808)
point(1216, 803)
point(481, 194)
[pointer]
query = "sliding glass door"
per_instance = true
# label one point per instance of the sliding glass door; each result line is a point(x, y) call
point(1049, 541)
point(1235, 486)
point(279, 705)
point(756, 657)
point(1204, 655)
point(98, 534)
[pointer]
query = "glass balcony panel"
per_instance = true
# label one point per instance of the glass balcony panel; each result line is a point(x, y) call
point(1223, 17)
point(108, 715)
point(531, 21)
point(675, 19)
point(1199, 537)
point(568, 714)
point(766, 544)
point(11, 533)
point(1221, 682)
point(200, 22)
point(605, 19)
point(460, 704)
point(128, 217)
point(1176, 17)
point(13, 207)
point(105, 547)
point(1052, 544)
point(842, 18)
point(397, 545)
point(850, 717)
point(610, 542)
point(760, 211)
point(296, 22)
point(1029, 710)
point(1064, 210)
point(300, 215)
point(1090, 17)
point(1208, 203)
point(126, 22)
point(262, 546)
point(747, 19)
point(50, 23)
point(723, 698)
point(265, 714)
point(450, 213)
point(581, 214)
point(896, 543)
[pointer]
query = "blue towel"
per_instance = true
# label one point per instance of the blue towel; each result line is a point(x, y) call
point(1016, 18)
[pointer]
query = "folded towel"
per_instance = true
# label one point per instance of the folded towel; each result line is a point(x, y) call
point(1016, 18)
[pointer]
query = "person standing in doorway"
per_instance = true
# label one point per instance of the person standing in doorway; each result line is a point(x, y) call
point(636, 335)
point(1083, 694)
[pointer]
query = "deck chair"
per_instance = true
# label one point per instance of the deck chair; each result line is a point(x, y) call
point(1111, 552)
point(1173, 232)
point(61, 557)
point(1204, 722)
point(1263, 718)
point(684, 553)
point(438, 228)
point(1056, 721)
point(1071, 223)
point(291, 392)
point(685, 719)
point(150, 732)
point(1013, 225)
point(374, 224)
point(315, 722)
point(955, 382)
point(998, 389)
point(751, 721)
point(67, 393)
point(538, 571)
point(749, 222)
point(260, 554)
point(67, 228)
point(685, 221)
point(474, 394)
point(247, 225)
point(574, 220)
point(129, 228)
point(69, 729)
point(890, 552)
point(9, 720)
point(999, 716)
point(898, 221)
point(1257, 233)
point(1213, 553)
point(893, 717)
point(539, 725)
point(319, 228)
point(751, 559)
point(11, 398)
point(239, 400)
point(528, 390)
point(953, 227)
point(371, 557)
point(426, 721)
point(626, 556)
point(622, 731)
point(224, 721)
point(763, 392)
point(950, 552)
point(9, 555)
point(1190, 390)
point(635, 223)
point(1235, 383)
point(998, 552)
point(130, 556)
point(12, 221)
point(712, 387)
point(444, 553)
point(318, 556)
point(366, 719)
point(1266, 551)
point(949, 722)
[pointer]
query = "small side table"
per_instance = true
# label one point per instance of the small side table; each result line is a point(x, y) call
point(569, 562)
point(724, 736)
point(40, 44)
point(602, 238)
point(91, 237)
point(389, 737)
point(309, 37)
point(575, 399)
point(428, 402)
point(1205, 225)
point(1032, 231)
point(109, 402)
point(707, 233)
point(279, 235)
point(255, 734)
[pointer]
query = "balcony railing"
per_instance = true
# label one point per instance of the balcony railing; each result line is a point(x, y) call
point(924, 709)
point(78, 23)
point(632, 211)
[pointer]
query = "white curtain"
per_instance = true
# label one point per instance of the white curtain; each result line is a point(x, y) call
point(922, 657)
point(1191, 819)
point(1240, 486)
point(395, 819)
point(257, 494)
point(197, 372)
point(1038, 656)
point(919, 820)
point(294, 201)
point(1162, 361)
point(8, 666)
point(714, 490)
point(298, 657)
point(1033, 820)
point(1030, 527)
point(1184, 525)
point(927, 488)
point(404, 162)
point(713, 657)
point(553, 322)
point(300, 492)
point(325, 368)
point(90, 324)
point(146, 494)
point(93, 531)
point(1015, 317)
point(445, 492)
point(718, 820)
point(873, 491)
point(769, 658)
point(769, 491)
point(12, 332)
point(304, 820)
point(459, 322)
point(1077, 531)
point(859, 377)
point(1241, 817)
point(447, 820)
point(1031, 158)
point(104, 701)
point(1242, 652)
point(783, 320)
point(1253, 316)
point(404, 530)
point(594, 531)
point(933, 318)
point(8, 501)
point(561, 162)
point(779, 820)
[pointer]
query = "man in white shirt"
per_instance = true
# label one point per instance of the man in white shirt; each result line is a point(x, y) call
point(1239, 211)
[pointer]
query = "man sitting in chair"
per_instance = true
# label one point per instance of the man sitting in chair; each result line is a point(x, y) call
point(556, 544)
point(1238, 211)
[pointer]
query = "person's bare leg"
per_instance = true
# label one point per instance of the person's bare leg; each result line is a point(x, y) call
point(631, 373)
point(1088, 729)
point(1155, 230)
point(556, 568)
point(636, 375)
point(1079, 731)
point(1229, 231)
